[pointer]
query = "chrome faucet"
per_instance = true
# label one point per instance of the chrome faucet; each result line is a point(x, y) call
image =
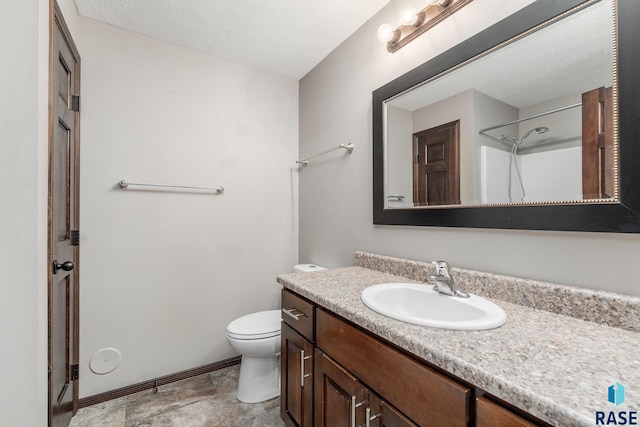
point(443, 281)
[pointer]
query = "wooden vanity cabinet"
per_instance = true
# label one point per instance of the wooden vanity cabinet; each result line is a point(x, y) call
point(296, 352)
point(337, 374)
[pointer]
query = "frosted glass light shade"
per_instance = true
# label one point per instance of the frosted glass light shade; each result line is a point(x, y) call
point(385, 33)
point(409, 16)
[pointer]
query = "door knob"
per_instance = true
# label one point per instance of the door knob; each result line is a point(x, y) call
point(66, 266)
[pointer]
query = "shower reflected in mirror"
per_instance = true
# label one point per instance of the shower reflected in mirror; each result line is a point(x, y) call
point(513, 158)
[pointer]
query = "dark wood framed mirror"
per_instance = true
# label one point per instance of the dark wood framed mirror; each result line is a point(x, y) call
point(620, 213)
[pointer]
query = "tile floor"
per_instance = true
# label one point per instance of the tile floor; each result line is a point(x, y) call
point(207, 400)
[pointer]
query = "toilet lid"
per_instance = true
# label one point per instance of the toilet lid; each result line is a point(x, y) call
point(263, 324)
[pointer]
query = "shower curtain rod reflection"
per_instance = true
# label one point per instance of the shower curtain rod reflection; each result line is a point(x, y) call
point(348, 147)
point(124, 184)
point(531, 117)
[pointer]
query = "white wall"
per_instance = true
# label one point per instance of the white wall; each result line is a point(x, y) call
point(163, 273)
point(336, 196)
point(23, 211)
point(399, 157)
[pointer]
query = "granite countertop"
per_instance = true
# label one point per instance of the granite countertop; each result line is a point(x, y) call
point(555, 367)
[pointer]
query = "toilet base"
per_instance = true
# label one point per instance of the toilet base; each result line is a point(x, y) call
point(259, 379)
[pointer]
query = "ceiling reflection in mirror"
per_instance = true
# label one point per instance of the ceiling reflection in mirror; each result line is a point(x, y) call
point(529, 122)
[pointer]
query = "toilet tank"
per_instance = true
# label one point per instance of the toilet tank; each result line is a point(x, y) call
point(306, 268)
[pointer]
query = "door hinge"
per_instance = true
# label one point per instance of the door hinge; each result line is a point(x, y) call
point(75, 103)
point(75, 372)
point(75, 237)
point(417, 158)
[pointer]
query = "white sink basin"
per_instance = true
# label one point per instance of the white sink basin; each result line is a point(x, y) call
point(421, 305)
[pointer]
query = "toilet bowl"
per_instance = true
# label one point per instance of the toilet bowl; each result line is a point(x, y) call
point(256, 337)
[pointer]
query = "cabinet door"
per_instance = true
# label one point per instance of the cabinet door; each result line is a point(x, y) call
point(296, 397)
point(381, 414)
point(340, 399)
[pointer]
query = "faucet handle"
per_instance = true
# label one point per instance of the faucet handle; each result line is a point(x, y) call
point(442, 268)
point(444, 282)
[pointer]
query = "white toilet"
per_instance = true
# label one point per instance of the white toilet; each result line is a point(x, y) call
point(256, 337)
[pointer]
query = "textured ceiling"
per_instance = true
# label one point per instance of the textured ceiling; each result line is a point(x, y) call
point(285, 37)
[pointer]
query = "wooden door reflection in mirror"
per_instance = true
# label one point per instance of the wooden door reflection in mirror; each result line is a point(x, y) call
point(598, 180)
point(436, 167)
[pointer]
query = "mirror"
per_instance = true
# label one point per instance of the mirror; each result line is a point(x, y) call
point(544, 77)
point(516, 127)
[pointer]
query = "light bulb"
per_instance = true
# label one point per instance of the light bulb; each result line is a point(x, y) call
point(385, 33)
point(409, 16)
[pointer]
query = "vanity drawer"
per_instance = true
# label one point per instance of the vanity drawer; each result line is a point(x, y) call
point(424, 395)
point(489, 414)
point(299, 314)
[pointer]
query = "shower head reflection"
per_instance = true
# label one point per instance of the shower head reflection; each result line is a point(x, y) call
point(538, 130)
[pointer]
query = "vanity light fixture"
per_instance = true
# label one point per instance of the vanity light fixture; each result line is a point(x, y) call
point(416, 23)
